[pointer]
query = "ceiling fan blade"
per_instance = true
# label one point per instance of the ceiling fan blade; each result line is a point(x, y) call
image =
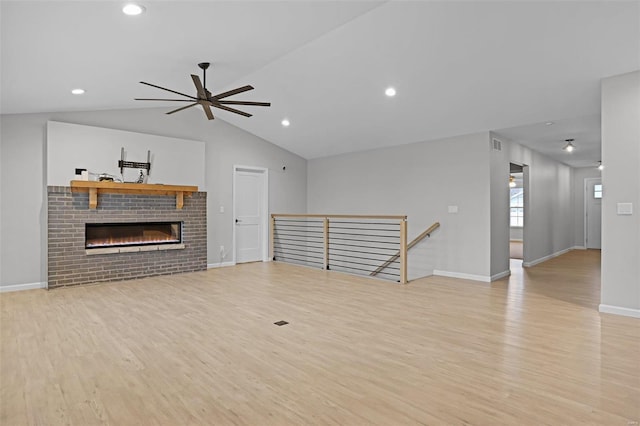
point(226, 108)
point(199, 87)
point(168, 90)
point(233, 92)
point(207, 111)
point(180, 109)
point(266, 104)
point(172, 100)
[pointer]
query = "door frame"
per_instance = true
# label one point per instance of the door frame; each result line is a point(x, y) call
point(586, 206)
point(265, 208)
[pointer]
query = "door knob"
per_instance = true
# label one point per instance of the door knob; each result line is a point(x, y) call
point(238, 220)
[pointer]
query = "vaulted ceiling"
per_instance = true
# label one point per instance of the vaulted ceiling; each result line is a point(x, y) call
point(457, 67)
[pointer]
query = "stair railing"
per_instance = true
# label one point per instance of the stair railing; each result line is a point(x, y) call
point(349, 243)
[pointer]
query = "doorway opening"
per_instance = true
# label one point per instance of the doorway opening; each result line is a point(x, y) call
point(250, 214)
point(516, 211)
point(593, 213)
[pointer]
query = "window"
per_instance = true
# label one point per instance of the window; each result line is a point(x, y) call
point(597, 191)
point(516, 205)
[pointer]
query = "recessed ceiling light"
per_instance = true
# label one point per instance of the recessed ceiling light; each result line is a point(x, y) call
point(390, 91)
point(285, 122)
point(132, 9)
point(77, 91)
point(549, 123)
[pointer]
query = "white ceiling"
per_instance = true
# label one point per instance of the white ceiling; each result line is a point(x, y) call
point(458, 67)
point(550, 139)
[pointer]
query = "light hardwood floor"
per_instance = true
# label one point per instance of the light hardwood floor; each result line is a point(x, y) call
point(202, 348)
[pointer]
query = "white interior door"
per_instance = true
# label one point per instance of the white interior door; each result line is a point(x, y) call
point(250, 213)
point(593, 213)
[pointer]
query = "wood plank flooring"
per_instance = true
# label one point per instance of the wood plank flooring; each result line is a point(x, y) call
point(202, 349)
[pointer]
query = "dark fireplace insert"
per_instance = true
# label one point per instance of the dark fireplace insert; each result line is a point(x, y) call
point(99, 235)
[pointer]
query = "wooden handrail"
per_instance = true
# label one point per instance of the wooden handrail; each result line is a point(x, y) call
point(340, 216)
point(426, 233)
point(415, 241)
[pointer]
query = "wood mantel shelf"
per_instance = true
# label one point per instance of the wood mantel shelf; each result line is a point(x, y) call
point(94, 188)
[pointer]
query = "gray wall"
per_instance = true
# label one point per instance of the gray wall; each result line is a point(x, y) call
point(499, 199)
point(548, 205)
point(420, 180)
point(620, 290)
point(579, 175)
point(23, 176)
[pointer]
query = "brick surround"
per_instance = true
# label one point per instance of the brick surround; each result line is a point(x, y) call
point(68, 263)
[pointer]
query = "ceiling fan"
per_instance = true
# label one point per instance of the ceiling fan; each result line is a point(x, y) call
point(204, 97)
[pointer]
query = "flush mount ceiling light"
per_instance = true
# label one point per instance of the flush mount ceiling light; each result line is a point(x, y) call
point(390, 92)
point(569, 147)
point(132, 9)
point(549, 123)
point(285, 123)
point(600, 166)
point(77, 91)
point(512, 181)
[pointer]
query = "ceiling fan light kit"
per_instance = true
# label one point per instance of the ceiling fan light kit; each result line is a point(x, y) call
point(569, 147)
point(205, 99)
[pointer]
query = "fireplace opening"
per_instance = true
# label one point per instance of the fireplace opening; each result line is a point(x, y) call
point(98, 235)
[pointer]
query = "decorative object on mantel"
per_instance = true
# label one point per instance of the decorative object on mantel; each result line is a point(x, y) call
point(105, 177)
point(95, 188)
point(204, 97)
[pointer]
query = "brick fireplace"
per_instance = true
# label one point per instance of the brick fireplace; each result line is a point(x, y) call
point(175, 239)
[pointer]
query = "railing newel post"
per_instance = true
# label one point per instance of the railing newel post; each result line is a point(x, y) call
point(403, 251)
point(326, 243)
point(272, 234)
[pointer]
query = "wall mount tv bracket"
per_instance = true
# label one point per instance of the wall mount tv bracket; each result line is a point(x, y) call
point(134, 165)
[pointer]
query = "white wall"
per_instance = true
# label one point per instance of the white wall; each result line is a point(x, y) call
point(579, 175)
point(419, 180)
point(620, 291)
point(515, 233)
point(23, 177)
point(69, 146)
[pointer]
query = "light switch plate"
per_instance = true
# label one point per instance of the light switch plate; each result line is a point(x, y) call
point(453, 209)
point(221, 209)
point(625, 208)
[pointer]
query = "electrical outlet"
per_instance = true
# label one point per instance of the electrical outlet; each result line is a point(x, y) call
point(222, 253)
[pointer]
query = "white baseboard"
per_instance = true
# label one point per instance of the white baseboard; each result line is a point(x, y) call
point(501, 275)
point(578, 248)
point(619, 310)
point(21, 287)
point(483, 278)
point(544, 259)
point(220, 265)
point(421, 274)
